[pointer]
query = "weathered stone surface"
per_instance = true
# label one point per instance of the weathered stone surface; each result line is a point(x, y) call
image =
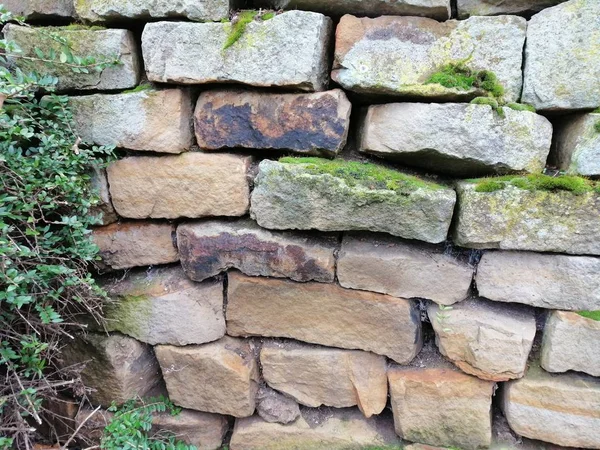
point(571, 343)
point(147, 120)
point(275, 407)
point(130, 244)
point(104, 45)
point(118, 368)
point(211, 247)
point(40, 9)
point(562, 62)
point(111, 10)
point(293, 196)
point(162, 306)
point(485, 339)
point(520, 219)
point(104, 209)
point(315, 123)
point(219, 377)
point(562, 409)
point(336, 429)
point(391, 266)
point(468, 8)
point(266, 54)
point(189, 185)
point(458, 139)
point(545, 281)
point(323, 314)
point(577, 149)
point(371, 54)
point(316, 376)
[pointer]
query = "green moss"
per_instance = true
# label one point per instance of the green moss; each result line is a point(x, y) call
point(238, 27)
point(490, 101)
point(521, 107)
point(80, 27)
point(489, 186)
point(268, 16)
point(139, 88)
point(594, 315)
point(459, 76)
point(596, 111)
point(597, 126)
point(538, 182)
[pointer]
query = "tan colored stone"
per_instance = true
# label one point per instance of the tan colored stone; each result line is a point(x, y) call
point(273, 406)
point(316, 376)
point(323, 314)
point(104, 209)
point(189, 185)
point(219, 377)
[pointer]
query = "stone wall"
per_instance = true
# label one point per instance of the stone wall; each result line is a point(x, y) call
point(425, 285)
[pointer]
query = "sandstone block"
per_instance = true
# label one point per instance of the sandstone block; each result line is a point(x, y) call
point(274, 407)
point(458, 139)
point(571, 343)
point(371, 54)
point(555, 79)
point(323, 314)
point(577, 148)
point(219, 377)
point(104, 209)
point(162, 306)
point(130, 244)
point(211, 247)
point(468, 8)
point(189, 185)
point(333, 196)
point(146, 120)
point(561, 409)
point(40, 9)
point(512, 218)
point(395, 267)
point(316, 376)
point(545, 281)
point(266, 54)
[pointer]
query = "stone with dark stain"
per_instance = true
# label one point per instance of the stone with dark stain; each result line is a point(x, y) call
point(315, 123)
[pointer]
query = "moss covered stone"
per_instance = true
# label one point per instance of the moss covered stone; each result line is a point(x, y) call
point(538, 182)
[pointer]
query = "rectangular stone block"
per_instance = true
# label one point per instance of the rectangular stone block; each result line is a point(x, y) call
point(188, 185)
point(577, 145)
point(266, 54)
point(145, 120)
point(323, 314)
point(468, 8)
point(40, 9)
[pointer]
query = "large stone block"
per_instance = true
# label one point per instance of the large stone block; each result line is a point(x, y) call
point(562, 409)
point(468, 8)
point(189, 185)
point(486, 339)
point(562, 62)
point(512, 218)
point(316, 376)
point(219, 377)
point(146, 120)
point(545, 281)
point(104, 45)
point(458, 139)
point(577, 148)
point(372, 55)
point(162, 306)
point(391, 266)
point(266, 54)
point(314, 123)
point(41, 9)
point(571, 343)
point(130, 244)
point(333, 196)
point(211, 247)
point(323, 314)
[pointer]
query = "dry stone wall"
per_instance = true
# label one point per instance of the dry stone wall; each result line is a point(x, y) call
point(342, 226)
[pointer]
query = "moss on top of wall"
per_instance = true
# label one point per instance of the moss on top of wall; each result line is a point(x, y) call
point(538, 182)
point(594, 315)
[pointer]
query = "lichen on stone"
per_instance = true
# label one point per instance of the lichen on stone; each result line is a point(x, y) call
point(538, 182)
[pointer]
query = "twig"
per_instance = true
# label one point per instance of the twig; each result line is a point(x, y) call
point(65, 445)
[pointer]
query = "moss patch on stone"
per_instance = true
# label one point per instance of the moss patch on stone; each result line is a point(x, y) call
point(538, 182)
point(140, 88)
point(597, 126)
point(238, 27)
point(498, 105)
point(594, 315)
point(80, 27)
point(521, 107)
point(459, 76)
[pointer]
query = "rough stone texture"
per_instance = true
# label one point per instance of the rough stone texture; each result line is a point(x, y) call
point(104, 209)
point(391, 266)
point(276, 408)
point(316, 376)
point(147, 120)
point(468, 8)
point(130, 244)
point(267, 53)
point(546, 281)
point(315, 123)
point(518, 219)
point(562, 59)
point(371, 54)
point(40, 9)
point(562, 409)
point(111, 10)
point(571, 343)
point(336, 429)
point(219, 377)
point(211, 247)
point(162, 306)
point(118, 368)
point(104, 45)
point(458, 139)
point(485, 339)
point(189, 185)
point(577, 149)
point(289, 196)
point(323, 314)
